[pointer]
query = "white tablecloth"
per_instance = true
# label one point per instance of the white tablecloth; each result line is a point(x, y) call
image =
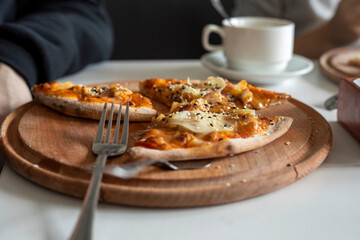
point(323, 205)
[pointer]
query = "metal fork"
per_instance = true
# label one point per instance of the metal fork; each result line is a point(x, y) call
point(83, 228)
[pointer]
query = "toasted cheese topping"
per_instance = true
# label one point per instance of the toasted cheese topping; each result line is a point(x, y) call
point(213, 105)
point(184, 129)
point(172, 90)
point(214, 89)
point(212, 83)
point(202, 122)
point(114, 93)
point(248, 96)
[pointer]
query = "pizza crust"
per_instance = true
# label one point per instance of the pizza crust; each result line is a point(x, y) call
point(213, 150)
point(92, 110)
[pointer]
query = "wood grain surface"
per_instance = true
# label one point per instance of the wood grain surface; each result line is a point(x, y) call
point(54, 151)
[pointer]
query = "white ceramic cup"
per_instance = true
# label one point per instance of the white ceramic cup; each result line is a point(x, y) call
point(253, 44)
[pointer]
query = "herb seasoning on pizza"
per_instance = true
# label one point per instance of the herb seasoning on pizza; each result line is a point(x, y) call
point(215, 90)
point(88, 101)
point(194, 131)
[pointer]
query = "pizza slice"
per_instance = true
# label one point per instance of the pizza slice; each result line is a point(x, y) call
point(88, 101)
point(194, 131)
point(215, 89)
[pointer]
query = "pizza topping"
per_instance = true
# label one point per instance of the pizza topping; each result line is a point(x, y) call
point(189, 91)
point(164, 139)
point(194, 126)
point(201, 122)
point(215, 90)
point(118, 91)
point(175, 105)
point(114, 93)
point(248, 96)
point(172, 90)
point(214, 106)
point(212, 83)
point(185, 132)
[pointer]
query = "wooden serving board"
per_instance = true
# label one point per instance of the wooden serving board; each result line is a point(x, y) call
point(334, 64)
point(54, 151)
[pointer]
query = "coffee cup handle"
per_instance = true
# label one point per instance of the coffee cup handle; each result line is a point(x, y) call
point(206, 34)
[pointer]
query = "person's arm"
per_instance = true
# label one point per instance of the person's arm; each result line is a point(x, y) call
point(342, 29)
point(14, 90)
point(52, 38)
point(49, 39)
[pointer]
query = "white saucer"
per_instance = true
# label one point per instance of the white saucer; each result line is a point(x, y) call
point(297, 66)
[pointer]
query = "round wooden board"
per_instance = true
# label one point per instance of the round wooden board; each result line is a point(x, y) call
point(334, 63)
point(54, 151)
point(340, 61)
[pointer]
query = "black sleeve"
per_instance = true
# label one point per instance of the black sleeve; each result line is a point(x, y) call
point(52, 38)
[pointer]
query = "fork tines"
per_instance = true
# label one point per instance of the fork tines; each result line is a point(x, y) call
point(124, 135)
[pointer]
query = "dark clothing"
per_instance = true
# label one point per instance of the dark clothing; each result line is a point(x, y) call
point(46, 39)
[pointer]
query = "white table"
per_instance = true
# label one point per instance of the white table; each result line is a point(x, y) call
point(323, 205)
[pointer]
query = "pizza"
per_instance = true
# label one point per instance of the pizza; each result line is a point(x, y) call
point(196, 132)
point(88, 101)
point(207, 119)
point(216, 90)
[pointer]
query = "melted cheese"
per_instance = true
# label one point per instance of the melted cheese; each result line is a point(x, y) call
point(175, 105)
point(213, 83)
point(244, 111)
point(201, 122)
point(194, 91)
point(188, 91)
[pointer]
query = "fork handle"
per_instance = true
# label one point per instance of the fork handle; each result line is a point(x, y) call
point(83, 228)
